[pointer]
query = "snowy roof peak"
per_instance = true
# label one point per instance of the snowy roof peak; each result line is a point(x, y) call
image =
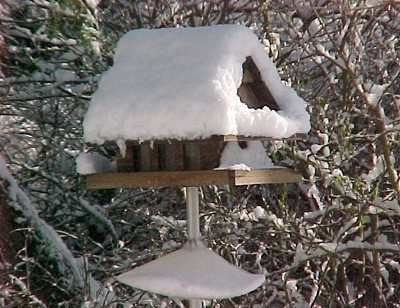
point(183, 83)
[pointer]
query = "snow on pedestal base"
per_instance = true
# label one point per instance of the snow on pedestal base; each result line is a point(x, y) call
point(192, 272)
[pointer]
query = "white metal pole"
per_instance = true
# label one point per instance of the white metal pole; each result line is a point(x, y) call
point(193, 227)
point(193, 216)
point(195, 303)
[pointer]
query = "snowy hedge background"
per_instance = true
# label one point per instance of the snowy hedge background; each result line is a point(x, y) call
point(332, 240)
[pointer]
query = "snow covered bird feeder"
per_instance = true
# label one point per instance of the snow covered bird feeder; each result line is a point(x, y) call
point(174, 99)
point(191, 107)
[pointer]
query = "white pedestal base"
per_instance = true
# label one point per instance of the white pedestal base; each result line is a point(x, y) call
point(192, 272)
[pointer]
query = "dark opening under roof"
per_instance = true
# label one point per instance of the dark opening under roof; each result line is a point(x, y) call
point(253, 91)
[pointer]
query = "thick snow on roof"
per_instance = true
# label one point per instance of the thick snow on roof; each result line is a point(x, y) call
point(182, 83)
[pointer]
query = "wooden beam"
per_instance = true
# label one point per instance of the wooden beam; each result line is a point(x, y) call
point(189, 178)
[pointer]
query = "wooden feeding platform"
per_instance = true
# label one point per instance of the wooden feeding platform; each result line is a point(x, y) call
point(191, 163)
point(189, 178)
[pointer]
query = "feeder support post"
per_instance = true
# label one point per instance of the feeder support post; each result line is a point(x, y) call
point(193, 227)
point(195, 303)
point(193, 216)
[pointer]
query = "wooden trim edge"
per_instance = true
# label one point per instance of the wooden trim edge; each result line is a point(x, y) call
point(189, 178)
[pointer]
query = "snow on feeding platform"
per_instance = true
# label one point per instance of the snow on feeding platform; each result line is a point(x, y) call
point(183, 84)
point(192, 272)
point(88, 163)
point(253, 156)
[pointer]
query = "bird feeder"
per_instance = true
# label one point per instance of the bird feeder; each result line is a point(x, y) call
point(191, 107)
